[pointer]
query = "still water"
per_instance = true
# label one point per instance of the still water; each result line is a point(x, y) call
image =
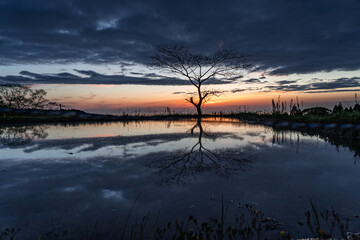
point(85, 178)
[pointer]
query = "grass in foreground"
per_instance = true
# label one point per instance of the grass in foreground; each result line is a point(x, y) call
point(250, 224)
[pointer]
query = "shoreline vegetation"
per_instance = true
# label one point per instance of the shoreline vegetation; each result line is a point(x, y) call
point(317, 117)
point(22, 104)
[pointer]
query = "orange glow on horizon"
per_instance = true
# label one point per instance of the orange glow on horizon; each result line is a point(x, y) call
point(117, 97)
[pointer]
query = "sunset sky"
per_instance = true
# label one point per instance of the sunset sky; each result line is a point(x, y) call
point(93, 55)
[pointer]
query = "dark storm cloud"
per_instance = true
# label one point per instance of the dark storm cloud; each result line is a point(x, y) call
point(92, 77)
point(336, 85)
point(286, 36)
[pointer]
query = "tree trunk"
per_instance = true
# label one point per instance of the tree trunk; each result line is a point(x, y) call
point(199, 105)
point(198, 109)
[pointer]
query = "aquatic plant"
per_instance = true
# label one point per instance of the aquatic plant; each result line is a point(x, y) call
point(8, 233)
point(250, 224)
point(325, 224)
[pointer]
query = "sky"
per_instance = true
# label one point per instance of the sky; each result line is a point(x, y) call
point(94, 55)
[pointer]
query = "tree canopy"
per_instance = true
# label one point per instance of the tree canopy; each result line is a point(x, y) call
point(199, 69)
point(23, 97)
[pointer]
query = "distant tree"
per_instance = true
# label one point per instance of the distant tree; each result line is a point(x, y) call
point(356, 107)
point(23, 97)
point(338, 108)
point(295, 110)
point(316, 111)
point(199, 69)
point(168, 110)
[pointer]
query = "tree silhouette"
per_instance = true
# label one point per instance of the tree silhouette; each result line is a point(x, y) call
point(23, 97)
point(199, 159)
point(199, 69)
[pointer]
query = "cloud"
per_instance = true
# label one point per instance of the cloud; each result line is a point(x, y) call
point(153, 75)
point(238, 90)
point(336, 85)
point(253, 80)
point(92, 77)
point(287, 36)
point(235, 78)
point(213, 92)
point(335, 90)
point(283, 82)
point(92, 96)
point(219, 92)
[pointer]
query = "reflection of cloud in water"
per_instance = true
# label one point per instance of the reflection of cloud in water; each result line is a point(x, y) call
point(253, 134)
point(99, 188)
point(113, 195)
point(78, 194)
point(72, 189)
point(138, 139)
point(33, 141)
point(93, 144)
point(119, 146)
point(72, 194)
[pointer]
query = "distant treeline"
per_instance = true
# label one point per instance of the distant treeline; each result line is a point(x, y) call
point(280, 107)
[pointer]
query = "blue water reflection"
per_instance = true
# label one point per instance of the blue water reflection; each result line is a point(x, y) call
point(77, 176)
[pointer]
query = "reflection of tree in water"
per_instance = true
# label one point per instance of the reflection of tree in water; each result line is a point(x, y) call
point(352, 144)
point(282, 136)
point(21, 135)
point(198, 159)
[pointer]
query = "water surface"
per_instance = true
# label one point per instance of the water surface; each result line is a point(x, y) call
point(78, 176)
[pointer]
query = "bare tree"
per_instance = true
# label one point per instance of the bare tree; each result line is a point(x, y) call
point(23, 97)
point(199, 69)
